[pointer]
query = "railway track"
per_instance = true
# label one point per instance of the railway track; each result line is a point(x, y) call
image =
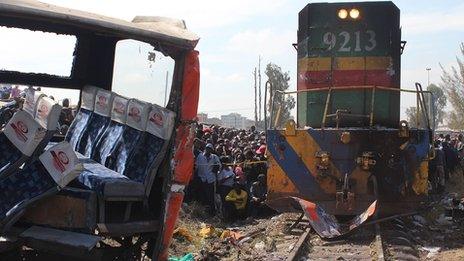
point(388, 241)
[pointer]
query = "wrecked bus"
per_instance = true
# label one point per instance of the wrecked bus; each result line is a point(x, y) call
point(114, 184)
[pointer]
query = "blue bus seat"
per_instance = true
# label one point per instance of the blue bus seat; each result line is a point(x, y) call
point(113, 132)
point(97, 123)
point(83, 116)
point(43, 177)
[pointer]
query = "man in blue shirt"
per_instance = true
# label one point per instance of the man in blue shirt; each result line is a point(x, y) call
point(208, 165)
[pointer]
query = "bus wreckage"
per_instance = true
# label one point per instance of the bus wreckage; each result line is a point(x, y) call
point(120, 171)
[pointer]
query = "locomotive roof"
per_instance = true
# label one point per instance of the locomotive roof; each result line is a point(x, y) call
point(147, 29)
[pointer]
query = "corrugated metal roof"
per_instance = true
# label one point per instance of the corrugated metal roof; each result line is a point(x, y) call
point(142, 28)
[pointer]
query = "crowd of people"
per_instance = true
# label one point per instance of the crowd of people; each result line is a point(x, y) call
point(230, 171)
point(17, 94)
point(449, 153)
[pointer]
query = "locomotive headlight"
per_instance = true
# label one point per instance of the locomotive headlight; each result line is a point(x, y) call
point(342, 13)
point(354, 13)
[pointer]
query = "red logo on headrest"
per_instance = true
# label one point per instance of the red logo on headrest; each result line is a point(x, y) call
point(157, 119)
point(134, 113)
point(43, 110)
point(102, 101)
point(20, 130)
point(119, 107)
point(60, 160)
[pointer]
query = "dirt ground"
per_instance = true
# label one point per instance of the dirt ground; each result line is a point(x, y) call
point(208, 238)
point(440, 237)
point(433, 234)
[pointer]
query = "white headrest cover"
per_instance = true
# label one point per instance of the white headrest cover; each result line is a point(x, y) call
point(24, 132)
point(103, 102)
point(119, 109)
point(137, 114)
point(48, 113)
point(30, 103)
point(160, 122)
point(88, 97)
point(61, 163)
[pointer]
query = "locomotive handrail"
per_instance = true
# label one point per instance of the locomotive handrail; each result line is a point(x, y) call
point(418, 91)
point(352, 88)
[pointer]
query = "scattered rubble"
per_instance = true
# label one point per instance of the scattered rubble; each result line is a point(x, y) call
point(208, 238)
point(437, 232)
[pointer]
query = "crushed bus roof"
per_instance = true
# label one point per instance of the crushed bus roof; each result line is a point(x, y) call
point(147, 29)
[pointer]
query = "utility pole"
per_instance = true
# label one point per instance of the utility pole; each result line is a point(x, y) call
point(428, 76)
point(259, 87)
point(256, 102)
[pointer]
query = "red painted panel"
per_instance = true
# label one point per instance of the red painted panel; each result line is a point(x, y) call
point(183, 158)
point(379, 78)
point(320, 79)
point(348, 78)
point(191, 86)
point(173, 204)
point(313, 79)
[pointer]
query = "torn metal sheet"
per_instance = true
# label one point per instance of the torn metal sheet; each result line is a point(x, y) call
point(326, 225)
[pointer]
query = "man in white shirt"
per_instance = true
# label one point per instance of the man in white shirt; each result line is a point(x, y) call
point(208, 165)
point(226, 177)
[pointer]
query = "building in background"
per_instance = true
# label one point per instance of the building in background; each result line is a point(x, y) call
point(236, 120)
point(214, 120)
point(202, 117)
point(231, 120)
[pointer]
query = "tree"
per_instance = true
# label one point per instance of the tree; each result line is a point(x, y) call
point(438, 104)
point(453, 85)
point(411, 117)
point(283, 104)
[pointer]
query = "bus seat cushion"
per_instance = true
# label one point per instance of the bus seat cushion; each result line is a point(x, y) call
point(107, 182)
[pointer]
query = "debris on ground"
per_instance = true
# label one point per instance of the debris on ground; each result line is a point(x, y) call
point(437, 232)
point(432, 251)
point(183, 232)
point(188, 257)
point(266, 238)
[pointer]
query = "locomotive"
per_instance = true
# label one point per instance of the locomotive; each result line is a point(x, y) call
point(348, 154)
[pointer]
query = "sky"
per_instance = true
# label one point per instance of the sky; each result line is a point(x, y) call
point(235, 33)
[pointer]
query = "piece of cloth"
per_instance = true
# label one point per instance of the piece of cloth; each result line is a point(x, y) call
point(205, 167)
point(238, 198)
